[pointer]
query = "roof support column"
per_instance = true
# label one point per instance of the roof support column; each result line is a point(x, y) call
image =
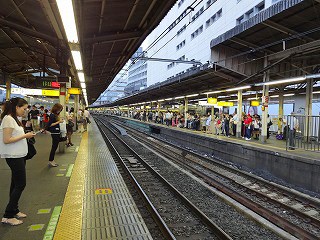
point(185, 111)
point(239, 114)
point(8, 85)
point(280, 113)
point(62, 100)
point(308, 111)
point(265, 102)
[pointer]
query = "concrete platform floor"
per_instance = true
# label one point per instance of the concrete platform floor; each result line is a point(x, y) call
point(46, 188)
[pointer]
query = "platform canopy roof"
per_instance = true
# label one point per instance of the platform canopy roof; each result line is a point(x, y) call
point(288, 33)
point(32, 38)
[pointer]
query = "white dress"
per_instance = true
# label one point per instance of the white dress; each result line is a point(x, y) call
point(12, 150)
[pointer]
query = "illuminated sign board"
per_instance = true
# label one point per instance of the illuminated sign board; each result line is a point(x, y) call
point(51, 93)
point(212, 100)
point(75, 91)
point(254, 103)
point(225, 104)
point(47, 82)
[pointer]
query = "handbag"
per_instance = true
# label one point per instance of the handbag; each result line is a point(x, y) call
point(70, 124)
point(31, 149)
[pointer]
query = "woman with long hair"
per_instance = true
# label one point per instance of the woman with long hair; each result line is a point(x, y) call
point(54, 128)
point(14, 148)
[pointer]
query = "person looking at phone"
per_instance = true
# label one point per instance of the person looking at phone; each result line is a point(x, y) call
point(54, 128)
point(13, 147)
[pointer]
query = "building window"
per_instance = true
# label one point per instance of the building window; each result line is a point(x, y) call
point(181, 45)
point(210, 2)
point(249, 14)
point(181, 29)
point(197, 32)
point(180, 3)
point(214, 18)
point(240, 20)
point(260, 7)
point(197, 14)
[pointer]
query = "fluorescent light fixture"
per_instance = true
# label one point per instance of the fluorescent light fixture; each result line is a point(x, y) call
point(316, 92)
point(83, 85)
point(317, 75)
point(180, 97)
point(253, 98)
point(233, 100)
point(238, 88)
point(161, 100)
point(274, 96)
point(67, 15)
point(168, 99)
point(287, 80)
point(193, 95)
point(81, 77)
point(214, 92)
point(77, 59)
point(288, 95)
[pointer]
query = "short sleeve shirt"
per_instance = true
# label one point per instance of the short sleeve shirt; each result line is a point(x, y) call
point(12, 150)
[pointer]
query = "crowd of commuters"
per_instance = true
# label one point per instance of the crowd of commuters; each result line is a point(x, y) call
point(219, 124)
point(19, 122)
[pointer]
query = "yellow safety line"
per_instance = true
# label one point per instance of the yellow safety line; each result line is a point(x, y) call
point(70, 221)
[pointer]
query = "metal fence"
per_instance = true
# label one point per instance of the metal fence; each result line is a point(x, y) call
point(302, 132)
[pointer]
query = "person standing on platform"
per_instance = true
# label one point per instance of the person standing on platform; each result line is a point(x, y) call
point(54, 129)
point(86, 119)
point(34, 113)
point(14, 148)
point(70, 124)
point(208, 123)
point(293, 125)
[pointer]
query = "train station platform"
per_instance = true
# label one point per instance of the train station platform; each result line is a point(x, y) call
point(298, 168)
point(84, 197)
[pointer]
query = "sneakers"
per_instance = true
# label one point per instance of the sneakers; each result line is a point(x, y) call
point(11, 221)
point(53, 164)
point(20, 215)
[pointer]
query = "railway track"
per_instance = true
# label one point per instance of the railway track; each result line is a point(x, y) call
point(289, 210)
point(176, 216)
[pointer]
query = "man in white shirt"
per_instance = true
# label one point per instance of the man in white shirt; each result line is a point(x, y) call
point(86, 119)
point(293, 125)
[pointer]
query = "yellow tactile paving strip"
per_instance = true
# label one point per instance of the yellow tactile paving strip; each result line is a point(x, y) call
point(70, 221)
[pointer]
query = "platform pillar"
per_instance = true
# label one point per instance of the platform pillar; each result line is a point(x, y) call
point(280, 113)
point(265, 102)
point(239, 114)
point(185, 111)
point(8, 86)
point(62, 100)
point(308, 112)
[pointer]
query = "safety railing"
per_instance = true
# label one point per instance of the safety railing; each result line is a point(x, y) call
point(303, 132)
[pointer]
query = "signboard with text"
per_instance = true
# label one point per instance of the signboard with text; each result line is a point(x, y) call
point(47, 82)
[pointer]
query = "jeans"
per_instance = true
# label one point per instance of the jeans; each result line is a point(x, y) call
point(292, 135)
point(18, 183)
point(55, 144)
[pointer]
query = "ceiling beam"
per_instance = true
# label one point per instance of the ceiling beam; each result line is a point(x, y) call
point(113, 37)
point(28, 31)
point(284, 30)
point(308, 47)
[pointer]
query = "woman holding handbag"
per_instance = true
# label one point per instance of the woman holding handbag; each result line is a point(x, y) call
point(13, 147)
point(54, 129)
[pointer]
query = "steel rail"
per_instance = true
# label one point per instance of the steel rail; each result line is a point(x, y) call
point(208, 222)
point(279, 221)
point(153, 211)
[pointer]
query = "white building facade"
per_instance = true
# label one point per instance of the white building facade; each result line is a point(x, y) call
point(188, 29)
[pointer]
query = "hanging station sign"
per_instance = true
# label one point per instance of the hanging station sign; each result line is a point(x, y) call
point(212, 100)
point(225, 104)
point(254, 103)
point(47, 82)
